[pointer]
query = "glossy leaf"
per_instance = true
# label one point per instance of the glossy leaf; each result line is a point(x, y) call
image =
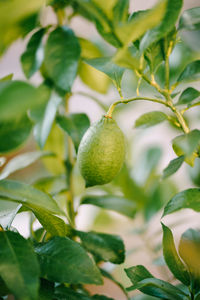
point(150, 119)
point(13, 133)
point(186, 199)
point(28, 196)
point(43, 127)
point(190, 19)
point(119, 204)
point(75, 125)
point(188, 96)
point(62, 53)
point(159, 289)
point(189, 249)
point(135, 28)
point(172, 10)
point(16, 97)
point(21, 161)
point(191, 72)
point(172, 259)
point(173, 166)
point(19, 266)
point(105, 247)
point(64, 260)
point(33, 56)
point(105, 65)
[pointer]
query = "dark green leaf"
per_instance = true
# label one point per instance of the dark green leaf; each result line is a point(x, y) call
point(21, 161)
point(101, 297)
point(62, 54)
point(134, 29)
point(16, 97)
point(173, 166)
point(188, 96)
point(119, 204)
point(28, 196)
point(169, 19)
point(19, 266)
point(43, 127)
point(3, 289)
point(105, 65)
point(7, 77)
point(105, 247)
point(64, 260)
point(63, 292)
point(75, 125)
point(46, 290)
point(172, 259)
point(191, 72)
point(190, 19)
point(186, 199)
point(160, 289)
point(33, 56)
point(189, 250)
point(138, 273)
point(187, 143)
point(14, 133)
point(120, 11)
point(150, 119)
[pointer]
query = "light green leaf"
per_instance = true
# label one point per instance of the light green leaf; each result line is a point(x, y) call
point(120, 12)
point(190, 19)
point(105, 247)
point(75, 125)
point(21, 161)
point(32, 58)
point(62, 53)
point(188, 96)
point(19, 266)
point(125, 59)
point(64, 260)
point(14, 133)
point(186, 199)
point(173, 166)
point(106, 6)
point(187, 143)
point(28, 196)
point(172, 259)
point(191, 72)
point(169, 18)
point(119, 204)
point(7, 77)
point(135, 28)
point(105, 65)
point(150, 119)
point(8, 211)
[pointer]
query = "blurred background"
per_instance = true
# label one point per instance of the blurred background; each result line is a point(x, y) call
point(149, 151)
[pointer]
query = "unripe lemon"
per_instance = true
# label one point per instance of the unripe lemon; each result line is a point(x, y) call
point(101, 152)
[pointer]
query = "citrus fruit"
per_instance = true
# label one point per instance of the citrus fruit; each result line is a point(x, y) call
point(101, 152)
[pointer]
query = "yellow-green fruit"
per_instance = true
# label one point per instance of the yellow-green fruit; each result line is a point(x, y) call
point(101, 152)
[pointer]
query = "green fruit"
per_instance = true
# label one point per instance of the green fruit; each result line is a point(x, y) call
point(101, 152)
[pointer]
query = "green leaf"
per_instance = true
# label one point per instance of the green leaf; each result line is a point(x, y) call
point(43, 127)
point(125, 59)
point(138, 273)
point(186, 199)
point(191, 72)
point(19, 266)
point(13, 133)
point(136, 27)
point(75, 125)
point(21, 161)
point(105, 247)
point(105, 65)
point(189, 249)
point(62, 52)
point(120, 11)
point(150, 119)
point(46, 290)
point(190, 19)
point(173, 166)
point(32, 58)
point(172, 10)
point(106, 6)
point(64, 260)
point(101, 297)
point(63, 292)
point(119, 204)
point(28, 196)
point(7, 77)
point(172, 259)
point(188, 96)
point(8, 211)
point(16, 97)
point(159, 289)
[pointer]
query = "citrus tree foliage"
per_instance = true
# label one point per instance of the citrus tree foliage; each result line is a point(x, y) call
point(58, 260)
